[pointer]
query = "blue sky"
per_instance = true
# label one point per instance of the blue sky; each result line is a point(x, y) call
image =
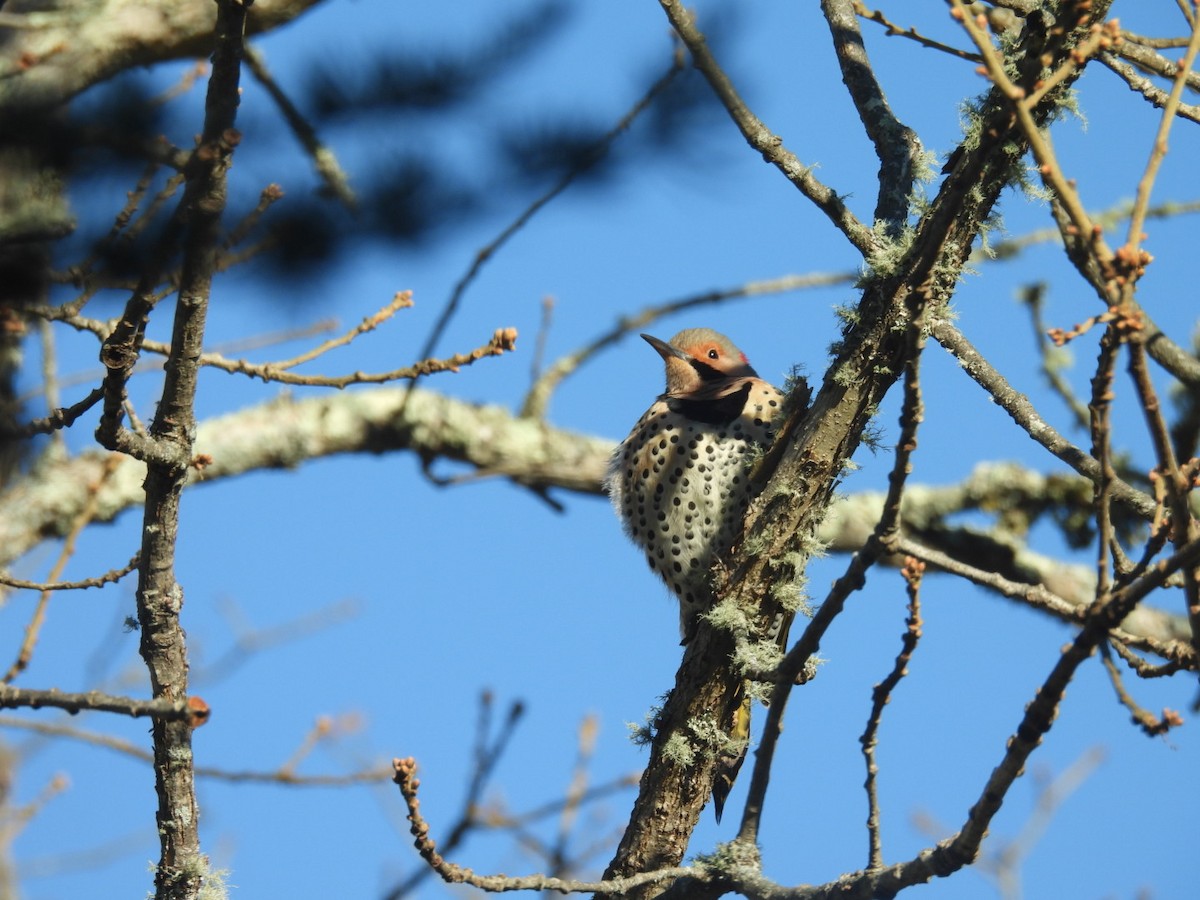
point(483, 587)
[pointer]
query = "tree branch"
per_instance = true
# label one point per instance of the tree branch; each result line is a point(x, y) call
point(896, 145)
point(71, 49)
point(759, 137)
point(162, 709)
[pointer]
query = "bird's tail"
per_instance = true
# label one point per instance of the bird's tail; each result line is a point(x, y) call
point(731, 761)
point(739, 726)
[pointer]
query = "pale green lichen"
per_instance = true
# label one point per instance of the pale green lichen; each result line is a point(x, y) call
point(678, 750)
point(728, 615)
point(710, 738)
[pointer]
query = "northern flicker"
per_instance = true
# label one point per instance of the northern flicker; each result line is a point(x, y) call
point(680, 481)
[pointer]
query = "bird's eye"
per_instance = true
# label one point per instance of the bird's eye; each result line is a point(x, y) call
point(713, 354)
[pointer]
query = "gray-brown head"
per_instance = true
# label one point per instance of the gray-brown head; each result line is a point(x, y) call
point(699, 360)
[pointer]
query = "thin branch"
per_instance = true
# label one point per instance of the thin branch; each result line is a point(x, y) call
point(593, 156)
point(961, 849)
point(225, 348)
point(161, 709)
point(1189, 14)
point(1052, 362)
point(1141, 667)
point(538, 397)
point(1159, 149)
point(1147, 88)
point(280, 776)
point(503, 341)
point(896, 145)
point(1100, 423)
point(1177, 481)
point(881, 695)
point(402, 300)
point(1022, 412)
point(323, 158)
point(883, 540)
point(405, 778)
point(81, 521)
point(759, 137)
point(487, 755)
point(1151, 724)
point(1038, 596)
point(1141, 54)
point(267, 197)
point(62, 417)
point(1023, 106)
point(110, 577)
point(894, 30)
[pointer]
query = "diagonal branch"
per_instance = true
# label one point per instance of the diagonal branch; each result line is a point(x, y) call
point(1022, 412)
point(896, 145)
point(759, 137)
point(594, 155)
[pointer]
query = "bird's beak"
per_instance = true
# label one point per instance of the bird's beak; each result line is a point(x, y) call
point(665, 350)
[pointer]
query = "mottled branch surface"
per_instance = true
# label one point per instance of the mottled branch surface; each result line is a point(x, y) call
point(284, 433)
point(66, 46)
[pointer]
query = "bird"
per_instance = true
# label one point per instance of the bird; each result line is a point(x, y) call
point(680, 482)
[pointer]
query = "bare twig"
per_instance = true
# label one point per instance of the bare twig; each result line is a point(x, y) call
point(913, 571)
point(538, 397)
point(322, 156)
point(62, 417)
point(759, 137)
point(912, 34)
point(405, 778)
point(488, 751)
point(1023, 413)
point(1151, 724)
point(1147, 88)
point(1032, 296)
point(1178, 481)
point(1158, 151)
point(1099, 410)
point(161, 709)
point(1140, 52)
point(402, 300)
point(34, 628)
point(503, 341)
point(110, 577)
point(596, 153)
point(132, 750)
point(896, 145)
point(267, 197)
